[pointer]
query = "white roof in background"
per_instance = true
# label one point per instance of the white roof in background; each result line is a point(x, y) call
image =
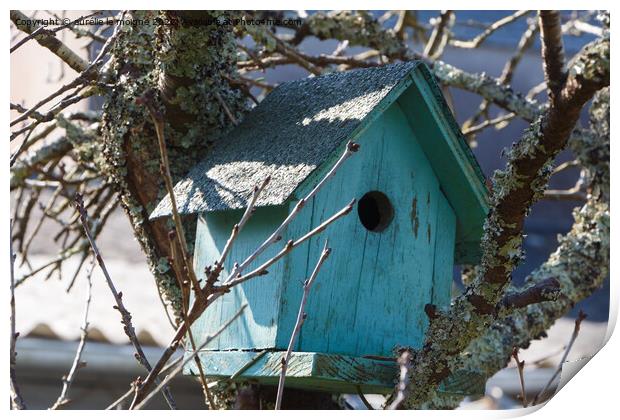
point(45, 309)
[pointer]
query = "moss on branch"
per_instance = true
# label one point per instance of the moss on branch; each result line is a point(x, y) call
point(186, 66)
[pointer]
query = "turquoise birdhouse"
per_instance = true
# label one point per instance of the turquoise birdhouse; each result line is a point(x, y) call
point(421, 204)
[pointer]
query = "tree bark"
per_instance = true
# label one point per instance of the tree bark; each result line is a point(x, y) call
point(182, 63)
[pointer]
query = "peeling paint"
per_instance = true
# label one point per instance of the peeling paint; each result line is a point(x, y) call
point(415, 219)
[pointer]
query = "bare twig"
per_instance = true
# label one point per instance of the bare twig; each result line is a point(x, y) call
point(301, 317)
point(246, 216)
point(292, 53)
point(546, 290)
point(17, 402)
point(21, 148)
point(165, 171)
point(564, 166)
point(227, 111)
point(80, 93)
point(120, 307)
point(350, 148)
point(37, 227)
point(46, 33)
point(363, 399)
point(178, 369)
point(475, 43)
point(49, 41)
point(205, 301)
point(359, 60)
point(214, 273)
point(185, 292)
point(487, 123)
point(572, 194)
point(580, 317)
point(67, 381)
point(536, 90)
point(119, 401)
point(520, 365)
point(576, 27)
point(439, 37)
point(526, 41)
point(290, 245)
point(404, 361)
point(88, 74)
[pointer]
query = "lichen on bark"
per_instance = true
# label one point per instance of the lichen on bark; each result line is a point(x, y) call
point(185, 63)
point(515, 189)
point(580, 263)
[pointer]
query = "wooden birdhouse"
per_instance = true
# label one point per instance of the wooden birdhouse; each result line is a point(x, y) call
point(421, 203)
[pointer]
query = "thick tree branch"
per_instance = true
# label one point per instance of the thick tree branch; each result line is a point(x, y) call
point(515, 190)
point(552, 51)
point(580, 263)
point(527, 173)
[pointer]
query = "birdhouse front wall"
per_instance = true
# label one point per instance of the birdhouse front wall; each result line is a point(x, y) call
point(370, 294)
point(256, 328)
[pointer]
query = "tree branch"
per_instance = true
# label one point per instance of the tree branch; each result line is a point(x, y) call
point(520, 365)
point(236, 276)
point(301, 317)
point(515, 190)
point(440, 35)
point(194, 354)
point(63, 398)
point(118, 297)
point(552, 51)
point(546, 290)
point(49, 41)
point(580, 263)
point(404, 363)
point(479, 39)
point(580, 317)
point(17, 402)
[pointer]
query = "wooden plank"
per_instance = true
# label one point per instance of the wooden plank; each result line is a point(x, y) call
point(295, 271)
point(320, 372)
point(444, 255)
point(337, 283)
point(391, 300)
point(306, 370)
point(458, 179)
point(256, 327)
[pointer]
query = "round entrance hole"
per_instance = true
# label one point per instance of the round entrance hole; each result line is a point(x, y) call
point(375, 211)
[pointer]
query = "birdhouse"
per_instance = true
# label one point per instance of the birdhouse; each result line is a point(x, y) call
point(421, 204)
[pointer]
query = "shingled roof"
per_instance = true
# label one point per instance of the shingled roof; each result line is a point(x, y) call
point(295, 129)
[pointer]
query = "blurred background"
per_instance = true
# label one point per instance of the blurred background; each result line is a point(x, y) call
point(49, 318)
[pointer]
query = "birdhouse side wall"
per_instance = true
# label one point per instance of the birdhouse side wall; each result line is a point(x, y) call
point(256, 327)
point(428, 118)
point(370, 294)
